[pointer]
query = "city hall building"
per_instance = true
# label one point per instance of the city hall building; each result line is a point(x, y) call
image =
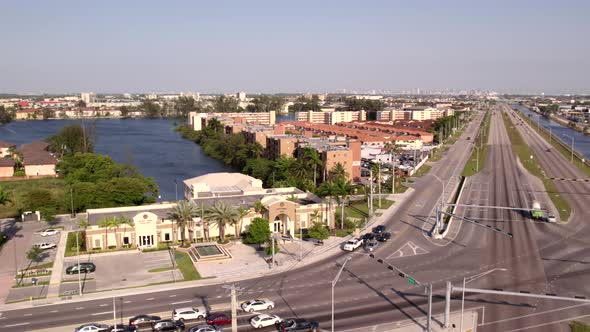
point(286, 209)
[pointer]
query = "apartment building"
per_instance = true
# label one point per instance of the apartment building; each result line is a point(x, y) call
point(417, 113)
point(331, 116)
point(199, 120)
point(280, 145)
point(259, 134)
point(334, 150)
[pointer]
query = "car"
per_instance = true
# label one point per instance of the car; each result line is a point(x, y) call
point(82, 268)
point(264, 320)
point(371, 246)
point(167, 325)
point(204, 328)
point(92, 327)
point(218, 319)
point(188, 313)
point(468, 138)
point(353, 244)
point(383, 237)
point(122, 328)
point(49, 232)
point(297, 324)
point(368, 237)
point(143, 320)
point(378, 229)
point(258, 304)
point(551, 218)
point(45, 245)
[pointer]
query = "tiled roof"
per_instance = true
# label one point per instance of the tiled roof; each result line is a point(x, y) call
point(6, 162)
point(4, 144)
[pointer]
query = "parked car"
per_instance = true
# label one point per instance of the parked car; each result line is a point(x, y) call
point(168, 325)
point(383, 236)
point(258, 304)
point(371, 246)
point(188, 313)
point(264, 320)
point(143, 320)
point(122, 328)
point(49, 232)
point(92, 327)
point(82, 268)
point(218, 319)
point(205, 328)
point(551, 218)
point(45, 245)
point(378, 229)
point(368, 237)
point(353, 244)
point(297, 324)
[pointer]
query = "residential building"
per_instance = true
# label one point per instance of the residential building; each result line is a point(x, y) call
point(6, 149)
point(199, 120)
point(334, 150)
point(286, 209)
point(258, 134)
point(280, 145)
point(331, 116)
point(37, 161)
point(6, 167)
point(88, 97)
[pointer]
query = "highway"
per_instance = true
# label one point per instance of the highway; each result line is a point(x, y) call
point(540, 258)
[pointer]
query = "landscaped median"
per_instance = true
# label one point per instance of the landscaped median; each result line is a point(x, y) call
point(477, 159)
point(529, 161)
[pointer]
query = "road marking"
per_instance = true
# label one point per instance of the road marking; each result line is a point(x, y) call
point(149, 299)
point(101, 313)
point(553, 322)
point(26, 315)
point(535, 314)
point(103, 305)
point(53, 311)
point(126, 301)
point(79, 308)
point(188, 301)
point(172, 295)
point(19, 324)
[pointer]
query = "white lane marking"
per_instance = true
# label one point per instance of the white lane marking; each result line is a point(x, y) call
point(26, 315)
point(126, 301)
point(53, 311)
point(172, 295)
point(103, 305)
point(149, 299)
point(101, 313)
point(19, 324)
point(79, 308)
point(188, 301)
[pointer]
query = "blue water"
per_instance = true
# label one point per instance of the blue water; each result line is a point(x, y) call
point(581, 142)
point(151, 145)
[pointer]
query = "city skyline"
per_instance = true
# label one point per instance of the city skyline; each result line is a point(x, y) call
point(142, 47)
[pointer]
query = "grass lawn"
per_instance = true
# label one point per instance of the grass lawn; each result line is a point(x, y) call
point(359, 209)
point(422, 170)
point(556, 145)
point(40, 283)
point(161, 269)
point(185, 265)
point(523, 152)
point(42, 266)
point(472, 167)
point(17, 189)
point(579, 327)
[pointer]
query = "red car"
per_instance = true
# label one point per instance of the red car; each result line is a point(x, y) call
point(218, 319)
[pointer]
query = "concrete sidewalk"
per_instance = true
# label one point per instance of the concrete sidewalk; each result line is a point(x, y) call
point(470, 323)
point(58, 266)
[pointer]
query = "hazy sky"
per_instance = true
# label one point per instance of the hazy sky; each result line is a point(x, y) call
point(288, 46)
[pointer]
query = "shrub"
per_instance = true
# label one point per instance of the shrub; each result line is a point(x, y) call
point(19, 173)
point(269, 248)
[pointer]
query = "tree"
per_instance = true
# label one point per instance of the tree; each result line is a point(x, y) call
point(33, 255)
point(242, 212)
point(318, 231)
point(47, 113)
point(258, 232)
point(186, 104)
point(222, 214)
point(4, 198)
point(342, 189)
point(150, 109)
point(183, 214)
point(106, 223)
point(124, 221)
point(338, 172)
point(393, 149)
point(124, 111)
point(258, 206)
point(70, 140)
point(314, 160)
point(223, 104)
point(5, 115)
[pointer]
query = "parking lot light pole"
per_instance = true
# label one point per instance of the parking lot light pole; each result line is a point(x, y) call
point(78, 257)
point(468, 280)
point(334, 284)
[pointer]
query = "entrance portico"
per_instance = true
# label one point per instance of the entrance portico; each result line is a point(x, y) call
point(281, 214)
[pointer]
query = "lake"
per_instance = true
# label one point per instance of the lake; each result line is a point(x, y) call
point(152, 145)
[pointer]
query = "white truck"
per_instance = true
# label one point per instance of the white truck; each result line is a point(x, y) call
point(353, 244)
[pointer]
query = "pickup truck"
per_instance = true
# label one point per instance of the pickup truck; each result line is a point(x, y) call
point(353, 244)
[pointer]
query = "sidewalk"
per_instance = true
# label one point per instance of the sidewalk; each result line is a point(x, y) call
point(470, 318)
point(58, 266)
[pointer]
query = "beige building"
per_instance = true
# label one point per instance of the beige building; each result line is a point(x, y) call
point(331, 116)
point(6, 167)
point(37, 161)
point(199, 120)
point(280, 145)
point(5, 149)
point(287, 209)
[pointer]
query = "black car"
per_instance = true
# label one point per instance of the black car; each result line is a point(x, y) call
point(122, 328)
point(383, 236)
point(378, 229)
point(82, 268)
point(143, 320)
point(297, 324)
point(168, 325)
point(368, 237)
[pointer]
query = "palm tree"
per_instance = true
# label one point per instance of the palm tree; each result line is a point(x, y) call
point(314, 160)
point(222, 214)
point(255, 150)
point(393, 150)
point(258, 206)
point(106, 224)
point(183, 214)
point(299, 169)
point(4, 199)
point(242, 212)
point(376, 168)
point(33, 255)
point(126, 222)
point(338, 172)
point(342, 189)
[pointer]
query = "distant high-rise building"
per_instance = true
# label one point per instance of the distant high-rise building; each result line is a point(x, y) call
point(241, 96)
point(88, 97)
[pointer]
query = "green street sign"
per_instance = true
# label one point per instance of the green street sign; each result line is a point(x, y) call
point(411, 280)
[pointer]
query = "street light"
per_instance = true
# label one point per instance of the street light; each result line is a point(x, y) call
point(572, 138)
point(334, 284)
point(470, 279)
point(477, 159)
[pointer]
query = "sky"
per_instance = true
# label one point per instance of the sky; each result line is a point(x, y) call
point(294, 46)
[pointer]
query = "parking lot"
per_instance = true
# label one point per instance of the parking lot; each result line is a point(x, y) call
point(120, 269)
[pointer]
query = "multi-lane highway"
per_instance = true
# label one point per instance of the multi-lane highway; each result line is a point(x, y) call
point(540, 258)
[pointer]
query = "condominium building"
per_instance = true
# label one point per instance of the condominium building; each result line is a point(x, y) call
point(199, 120)
point(331, 117)
point(88, 97)
point(280, 145)
point(419, 113)
point(335, 150)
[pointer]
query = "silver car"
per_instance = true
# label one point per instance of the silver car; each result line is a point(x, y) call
point(371, 246)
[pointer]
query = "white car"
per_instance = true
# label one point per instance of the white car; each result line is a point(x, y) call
point(45, 245)
point(258, 304)
point(49, 232)
point(551, 218)
point(188, 313)
point(352, 244)
point(92, 327)
point(264, 320)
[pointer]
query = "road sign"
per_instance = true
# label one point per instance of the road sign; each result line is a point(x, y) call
point(411, 280)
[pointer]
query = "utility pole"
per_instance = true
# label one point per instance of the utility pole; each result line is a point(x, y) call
point(114, 312)
point(234, 304)
point(379, 184)
point(72, 201)
point(393, 172)
point(78, 257)
point(273, 250)
point(176, 189)
point(447, 305)
point(429, 320)
point(334, 284)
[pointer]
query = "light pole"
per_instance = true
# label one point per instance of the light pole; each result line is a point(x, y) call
point(477, 158)
point(442, 196)
point(572, 138)
point(176, 189)
point(334, 284)
point(470, 279)
point(78, 257)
